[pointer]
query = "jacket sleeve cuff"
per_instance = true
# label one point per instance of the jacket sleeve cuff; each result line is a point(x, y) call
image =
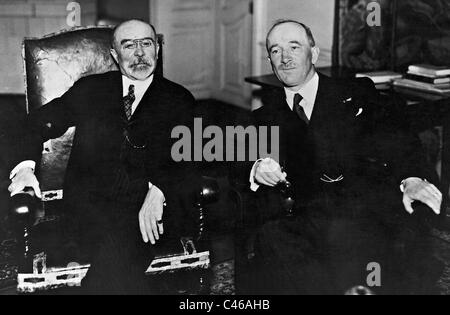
point(402, 185)
point(253, 185)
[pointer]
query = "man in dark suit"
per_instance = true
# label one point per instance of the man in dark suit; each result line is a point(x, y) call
point(120, 174)
point(345, 162)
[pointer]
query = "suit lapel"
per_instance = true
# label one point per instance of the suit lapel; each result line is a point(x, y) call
point(148, 100)
point(116, 100)
point(280, 106)
point(327, 127)
point(324, 109)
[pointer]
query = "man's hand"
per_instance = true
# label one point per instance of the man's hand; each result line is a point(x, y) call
point(25, 178)
point(268, 172)
point(150, 216)
point(417, 189)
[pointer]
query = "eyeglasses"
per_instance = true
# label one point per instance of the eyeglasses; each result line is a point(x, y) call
point(133, 44)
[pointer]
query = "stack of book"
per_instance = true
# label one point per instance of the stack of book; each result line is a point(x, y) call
point(382, 79)
point(426, 78)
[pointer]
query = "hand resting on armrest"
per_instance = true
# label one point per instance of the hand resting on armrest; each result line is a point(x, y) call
point(150, 216)
point(269, 173)
point(24, 178)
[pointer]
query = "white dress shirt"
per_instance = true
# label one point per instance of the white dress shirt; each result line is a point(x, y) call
point(140, 87)
point(309, 94)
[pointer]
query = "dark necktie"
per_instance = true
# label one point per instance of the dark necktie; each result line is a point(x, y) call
point(299, 109)
point(128, 101)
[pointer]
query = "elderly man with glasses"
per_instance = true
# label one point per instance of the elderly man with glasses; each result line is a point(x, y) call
point(120, 175)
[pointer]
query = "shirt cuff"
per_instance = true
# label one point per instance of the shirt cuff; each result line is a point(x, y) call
point(24, 164)
point(402, 185)
point(253, 185)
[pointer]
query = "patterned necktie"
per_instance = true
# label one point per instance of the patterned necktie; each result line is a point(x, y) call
point(128, 101)
point(299, 109)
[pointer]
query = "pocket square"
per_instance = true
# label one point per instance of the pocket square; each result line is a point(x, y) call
point(327, 179)
point(360, 111)
point(347, 100)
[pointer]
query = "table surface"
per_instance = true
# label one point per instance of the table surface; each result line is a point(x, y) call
point(271, 81)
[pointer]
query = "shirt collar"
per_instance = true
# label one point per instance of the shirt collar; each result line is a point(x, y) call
point(139, 86)
point(307, 91)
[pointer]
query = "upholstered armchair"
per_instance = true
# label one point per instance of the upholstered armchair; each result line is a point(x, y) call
point(52, 65)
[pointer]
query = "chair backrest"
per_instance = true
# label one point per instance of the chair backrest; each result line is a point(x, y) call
point(52, 65)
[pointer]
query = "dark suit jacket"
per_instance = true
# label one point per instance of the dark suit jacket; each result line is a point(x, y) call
point(349, 135)
point(339, 227)
point(100, 150)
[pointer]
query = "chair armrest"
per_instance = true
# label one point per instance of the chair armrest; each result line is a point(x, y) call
point(209, 193)
point(23, 208)
point(244, 204)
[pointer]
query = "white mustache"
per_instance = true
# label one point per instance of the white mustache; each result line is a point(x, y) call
point(140, 63)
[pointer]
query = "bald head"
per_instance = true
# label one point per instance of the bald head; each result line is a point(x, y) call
point(135, 49)
point(306, 29)
point(130, 28)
